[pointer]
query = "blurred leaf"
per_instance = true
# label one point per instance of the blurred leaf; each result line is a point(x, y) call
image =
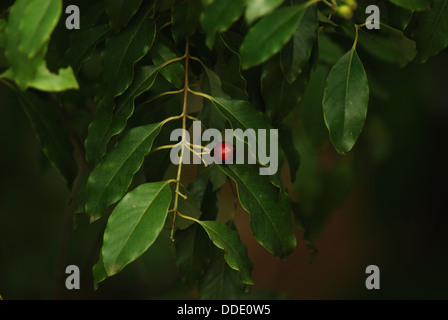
point(190, 207)
point(235, 251)
point(52, 135)
point(259, 8)
point(269, 35)
point(270, 218)
point(286, 141)
point(110, 180)
point(41, 17)
point(345, 101)
point(120, 12)
point(185, 16)
point(219, 16)
point(46, 81)
point(417, 5)
point(135, 224)
point(431, 30)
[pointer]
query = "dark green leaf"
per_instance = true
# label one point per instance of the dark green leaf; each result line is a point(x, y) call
point(185, 17)
point(123, 50)
point(173, 73)
point(110, 123)
point(286, 141)
point(431, 30)
point(269, 35)
point(345, 101)
point(82, 45)
point(295, 55)
point(235, 251)
point(270, 219)
point(52, 135)
point(406, 48)
point(219, 16)
point(192, 253)
point(110, 180)
point(120, 12)
point(220, 282)
point(135, 224)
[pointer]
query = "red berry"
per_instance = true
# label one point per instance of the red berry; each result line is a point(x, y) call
point(223, 152)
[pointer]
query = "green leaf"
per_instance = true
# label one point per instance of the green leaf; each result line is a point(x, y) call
point(286, 141)
point(280, 96)
point(220, 282)
point(120, 12)
point(110, 123)
point(192, 253)
point(295, 55)
point(190, 207)
point(49, 130)
point(406, 48)
point(185, 16)
point(269, 35)
point(259, 8)
point(123, 50)
point(345, 101)
point(417, 5)
point(44, 20)
point(431, 30)
point(99, 272)
point(235, 251)
point(270, 219)
point(109, 181)
point(135, 224)
point(219, 16)
point(173, 73)
point(82, 45)
point(46, 81)
point(41, 17)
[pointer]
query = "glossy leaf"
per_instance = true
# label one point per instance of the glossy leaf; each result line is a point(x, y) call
point(110, 180)
point(235, 251)
point(431, 30)
point(185, 16)
point(219, 16)
point(270, 219)
point(417, 5)
point(123, 50)
point(259, 8)
point(107, 123)
point(269, 35)
point(120, 12)
point(51, 134)
point(134, 225)
point(345, 101)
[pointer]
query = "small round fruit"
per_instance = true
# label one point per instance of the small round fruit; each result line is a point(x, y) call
point(352, 4)
point(223, 152)
point(345, 12)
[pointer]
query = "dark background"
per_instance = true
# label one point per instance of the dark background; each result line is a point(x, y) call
point(382, 204)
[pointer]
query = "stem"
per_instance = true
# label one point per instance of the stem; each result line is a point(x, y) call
point(184, 127)
point(356, 37)
point(188, 217)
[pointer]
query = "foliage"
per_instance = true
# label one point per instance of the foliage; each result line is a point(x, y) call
point(149, 67)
